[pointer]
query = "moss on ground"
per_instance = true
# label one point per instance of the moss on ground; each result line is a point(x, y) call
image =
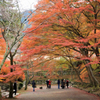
point(89, 89)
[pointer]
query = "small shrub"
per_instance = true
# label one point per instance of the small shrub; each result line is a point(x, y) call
point(7, 87)
point(20, 86)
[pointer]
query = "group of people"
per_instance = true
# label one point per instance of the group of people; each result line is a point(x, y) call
point(48, 82)
point(63, 83)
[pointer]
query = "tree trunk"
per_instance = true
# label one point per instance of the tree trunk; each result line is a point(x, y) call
point(78, 74)
point(11, 90)
point(71, 73)
point(93, 80)
point(11, 83)
point(71, 65)
point(0, 93)
point(26, 83)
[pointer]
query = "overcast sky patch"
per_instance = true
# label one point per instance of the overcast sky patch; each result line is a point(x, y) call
point(27, 4)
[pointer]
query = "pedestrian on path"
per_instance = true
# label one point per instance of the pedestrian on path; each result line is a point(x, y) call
point(63, 83)
point(67, 83)
point(58, 82)
point(47, 82)
point(33, 85)
point(15, 87)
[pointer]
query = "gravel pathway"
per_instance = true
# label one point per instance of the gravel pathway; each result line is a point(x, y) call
point(56, 94)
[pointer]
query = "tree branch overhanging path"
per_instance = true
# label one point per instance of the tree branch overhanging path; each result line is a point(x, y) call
point(72, 26)
point(58, 29)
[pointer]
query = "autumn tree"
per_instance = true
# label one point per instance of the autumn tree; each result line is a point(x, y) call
point(29, 73)
point(11, 25)
point(59, 26)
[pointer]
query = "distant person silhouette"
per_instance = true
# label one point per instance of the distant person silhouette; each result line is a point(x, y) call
point(63, 83)
point(58, 82)
point(47, 82)
point(15, 87)
point(67, 83)
point(33, 85)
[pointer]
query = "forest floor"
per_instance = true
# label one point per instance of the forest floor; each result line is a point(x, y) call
point(91, 90)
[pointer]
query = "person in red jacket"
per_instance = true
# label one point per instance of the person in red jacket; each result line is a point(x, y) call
point(49, 83)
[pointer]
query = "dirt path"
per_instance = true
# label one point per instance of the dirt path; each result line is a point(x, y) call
point(56, 94)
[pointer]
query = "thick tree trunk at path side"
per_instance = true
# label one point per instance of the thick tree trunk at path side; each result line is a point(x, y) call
point(77, 73)
point(93, 80)
point(79, 76)
point(11, 90)
point(11, 83)
point(26, 83)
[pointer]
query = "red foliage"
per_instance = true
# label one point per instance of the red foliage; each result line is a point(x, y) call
point(6, 74)
point(65, 25)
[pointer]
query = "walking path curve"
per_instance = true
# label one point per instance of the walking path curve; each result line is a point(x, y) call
point(56, 94)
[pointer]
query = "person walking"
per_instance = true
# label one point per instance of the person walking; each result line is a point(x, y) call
point(33, 85)
point(15, 87)
point(47, 82)
point(67, 83)
point(58, 82)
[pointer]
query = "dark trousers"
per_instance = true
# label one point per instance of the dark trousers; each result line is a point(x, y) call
point(15, 91)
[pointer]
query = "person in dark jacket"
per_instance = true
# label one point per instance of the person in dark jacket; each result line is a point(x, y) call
point(67, 83)
point(15, 87)
point(58, 82)
point(63, 83)
point(47, 82)
point(33, 85)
